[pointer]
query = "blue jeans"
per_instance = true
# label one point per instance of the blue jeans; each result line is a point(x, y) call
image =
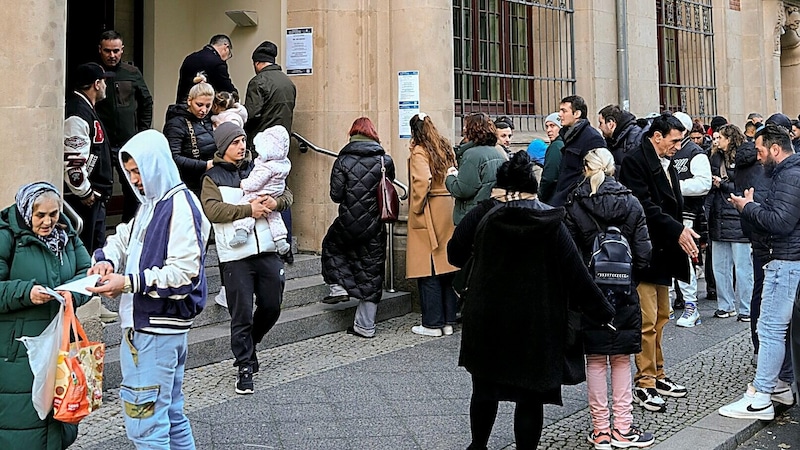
point(755, 312)
point(729, 257)
point(152, 401)
point(438, 300)
point(781, 281)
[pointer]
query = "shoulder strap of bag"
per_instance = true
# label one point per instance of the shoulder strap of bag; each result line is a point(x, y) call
point(195, 150)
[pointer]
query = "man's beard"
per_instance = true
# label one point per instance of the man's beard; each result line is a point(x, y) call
point(769, 166)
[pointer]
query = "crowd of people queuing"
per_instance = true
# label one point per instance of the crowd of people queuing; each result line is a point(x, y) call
point(517, 231)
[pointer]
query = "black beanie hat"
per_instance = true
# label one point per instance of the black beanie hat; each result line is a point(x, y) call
point(265, 52)
point(717, 122)
point(225, 133)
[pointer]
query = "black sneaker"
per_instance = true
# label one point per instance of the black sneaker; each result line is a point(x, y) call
point(678, 304)
point(633, 438)
point(743, 318)
point(670, 388)
point(722, 314)
point(711, 295)
point(649, 399)
point(244, 380)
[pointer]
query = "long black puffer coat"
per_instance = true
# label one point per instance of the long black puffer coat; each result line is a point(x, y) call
point(627, 138)
point(750, 174)
point(176, 130)
point(354, 249)
point(724, 223)
point(613, 204)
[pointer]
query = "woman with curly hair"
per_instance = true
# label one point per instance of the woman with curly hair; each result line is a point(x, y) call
point(430, 227)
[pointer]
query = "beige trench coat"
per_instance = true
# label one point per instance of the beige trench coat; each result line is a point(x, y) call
point(430, 220)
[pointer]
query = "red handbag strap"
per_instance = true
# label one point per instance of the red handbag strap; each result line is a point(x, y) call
point(71, 323)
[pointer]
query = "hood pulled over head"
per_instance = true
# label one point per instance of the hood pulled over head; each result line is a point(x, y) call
point(272, 143)
point(150, 150)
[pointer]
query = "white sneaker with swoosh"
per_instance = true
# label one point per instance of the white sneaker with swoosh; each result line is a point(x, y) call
point(752, 405)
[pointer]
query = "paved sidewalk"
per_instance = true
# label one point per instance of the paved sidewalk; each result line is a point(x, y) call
point(401, 391)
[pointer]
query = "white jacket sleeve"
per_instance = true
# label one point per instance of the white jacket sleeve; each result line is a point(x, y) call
point(700, 183)
point(115, 250)
point(77, 146)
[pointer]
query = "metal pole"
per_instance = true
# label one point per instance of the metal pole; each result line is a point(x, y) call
point(391, 258)
point(622, 55)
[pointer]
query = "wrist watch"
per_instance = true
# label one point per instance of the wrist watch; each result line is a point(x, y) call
point(127, 288)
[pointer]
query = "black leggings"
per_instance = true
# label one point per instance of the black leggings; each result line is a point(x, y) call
point(528, 419)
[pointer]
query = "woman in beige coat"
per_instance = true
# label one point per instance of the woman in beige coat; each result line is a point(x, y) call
point(430, 227)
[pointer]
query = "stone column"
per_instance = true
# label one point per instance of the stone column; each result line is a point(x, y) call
point(32, 94)
point(790, 62)
point(359, 46)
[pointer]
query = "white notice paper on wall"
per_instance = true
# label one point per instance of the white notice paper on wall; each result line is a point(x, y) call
point(407, 100)
point(299, 51)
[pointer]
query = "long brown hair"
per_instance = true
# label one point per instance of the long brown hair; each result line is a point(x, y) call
point(735, 140)
point(440, 152)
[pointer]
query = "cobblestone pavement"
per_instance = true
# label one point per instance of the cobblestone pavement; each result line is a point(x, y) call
point(781, 434)
point(401, 390)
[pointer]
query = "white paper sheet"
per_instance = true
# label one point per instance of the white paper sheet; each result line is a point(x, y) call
point(80, 286)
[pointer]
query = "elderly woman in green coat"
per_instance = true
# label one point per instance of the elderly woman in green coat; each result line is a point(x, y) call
point(38, 249)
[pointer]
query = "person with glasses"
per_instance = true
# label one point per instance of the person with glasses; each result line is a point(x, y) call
point(212, 60)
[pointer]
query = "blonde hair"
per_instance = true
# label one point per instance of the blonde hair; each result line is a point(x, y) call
point(598, 164)
point(201, 87)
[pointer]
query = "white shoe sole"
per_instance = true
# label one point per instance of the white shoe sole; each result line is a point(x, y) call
point(785, 397)
point(598, 446)
point(767, 414)
point(649, 407)
point(423, 331)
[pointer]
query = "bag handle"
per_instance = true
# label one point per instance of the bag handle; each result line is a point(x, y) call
point(71, 323)
point(195, 150)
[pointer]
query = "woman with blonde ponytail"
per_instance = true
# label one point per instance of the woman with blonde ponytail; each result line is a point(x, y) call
point(597, 203)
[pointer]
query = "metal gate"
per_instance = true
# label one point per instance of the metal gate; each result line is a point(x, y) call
point(686, 57)
point(513, 58)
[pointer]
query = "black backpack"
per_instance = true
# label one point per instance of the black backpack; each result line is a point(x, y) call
point(611, 261)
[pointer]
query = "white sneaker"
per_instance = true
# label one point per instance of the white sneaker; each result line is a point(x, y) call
point(783, 393)
point(690, 316)
point(425, 331)
point(447, 330)
point(221, 299)
point(753, 405)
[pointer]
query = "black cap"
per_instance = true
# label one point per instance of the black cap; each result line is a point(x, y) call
point(265, 52)
point(779, 119)
point(88, 73)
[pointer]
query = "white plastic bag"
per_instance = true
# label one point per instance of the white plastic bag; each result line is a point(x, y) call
point(43, 358)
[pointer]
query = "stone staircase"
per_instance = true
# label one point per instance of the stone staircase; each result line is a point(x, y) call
point(302, 316)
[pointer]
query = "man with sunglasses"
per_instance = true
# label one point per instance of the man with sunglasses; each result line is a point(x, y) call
point(211, 60)
point(775, 224)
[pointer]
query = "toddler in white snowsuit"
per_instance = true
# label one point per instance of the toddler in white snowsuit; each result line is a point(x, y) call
point(268, 177)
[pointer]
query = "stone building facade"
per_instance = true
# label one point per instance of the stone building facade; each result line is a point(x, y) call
point(516, 57)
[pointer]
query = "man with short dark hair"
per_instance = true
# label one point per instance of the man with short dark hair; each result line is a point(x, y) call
point(211, 60)
point(621, 131)
point(775, 224)
point(126, 110)
point(579, 137)
point(270, 101)
point(651, 175)
point(88, 172)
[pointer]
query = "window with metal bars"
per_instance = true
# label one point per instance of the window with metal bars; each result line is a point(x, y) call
point(686, 57)
point(513, 57)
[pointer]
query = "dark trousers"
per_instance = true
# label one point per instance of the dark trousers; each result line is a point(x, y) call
point(755, 311)
point(93, 235)
point(528, 418)
point(711, 282)
point(260, 275)
point(286, 215)
point(438, 300)
point(794, 331)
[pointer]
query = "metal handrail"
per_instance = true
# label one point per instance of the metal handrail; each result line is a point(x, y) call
point(304, 145)
point(73, 216)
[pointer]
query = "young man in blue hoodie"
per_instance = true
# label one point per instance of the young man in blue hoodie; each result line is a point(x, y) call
point(156, 261)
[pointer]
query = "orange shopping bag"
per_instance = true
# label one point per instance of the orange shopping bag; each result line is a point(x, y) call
point(79, 371)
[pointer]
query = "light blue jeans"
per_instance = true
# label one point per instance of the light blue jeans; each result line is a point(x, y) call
point(727, 258)
point(152, 400)
point(781, 281)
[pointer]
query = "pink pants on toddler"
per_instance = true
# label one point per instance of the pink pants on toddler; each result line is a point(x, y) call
point(596, 367)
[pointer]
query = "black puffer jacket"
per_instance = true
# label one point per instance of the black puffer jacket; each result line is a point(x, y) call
point(776, 220)
point(613, 204)
point(724, 223)
point(354, 249)
point(627, 138)
point(190, 167)
point(578, 140)
point(750, 174)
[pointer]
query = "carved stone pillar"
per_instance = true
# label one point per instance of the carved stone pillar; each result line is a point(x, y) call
point(790, 60)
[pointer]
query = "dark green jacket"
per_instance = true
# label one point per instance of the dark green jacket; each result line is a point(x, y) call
point(477, 173)
point(269, 101)
point(128, 106)
point(24, 262)
point(552, 161)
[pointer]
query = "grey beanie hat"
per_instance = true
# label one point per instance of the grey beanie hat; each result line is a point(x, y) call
point(225, 133)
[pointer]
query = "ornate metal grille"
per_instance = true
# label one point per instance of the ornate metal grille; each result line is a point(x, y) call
point(513, 57)
point(686, 57)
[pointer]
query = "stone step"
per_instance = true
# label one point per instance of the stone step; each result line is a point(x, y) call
point(211, 343)
point(297, 292)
